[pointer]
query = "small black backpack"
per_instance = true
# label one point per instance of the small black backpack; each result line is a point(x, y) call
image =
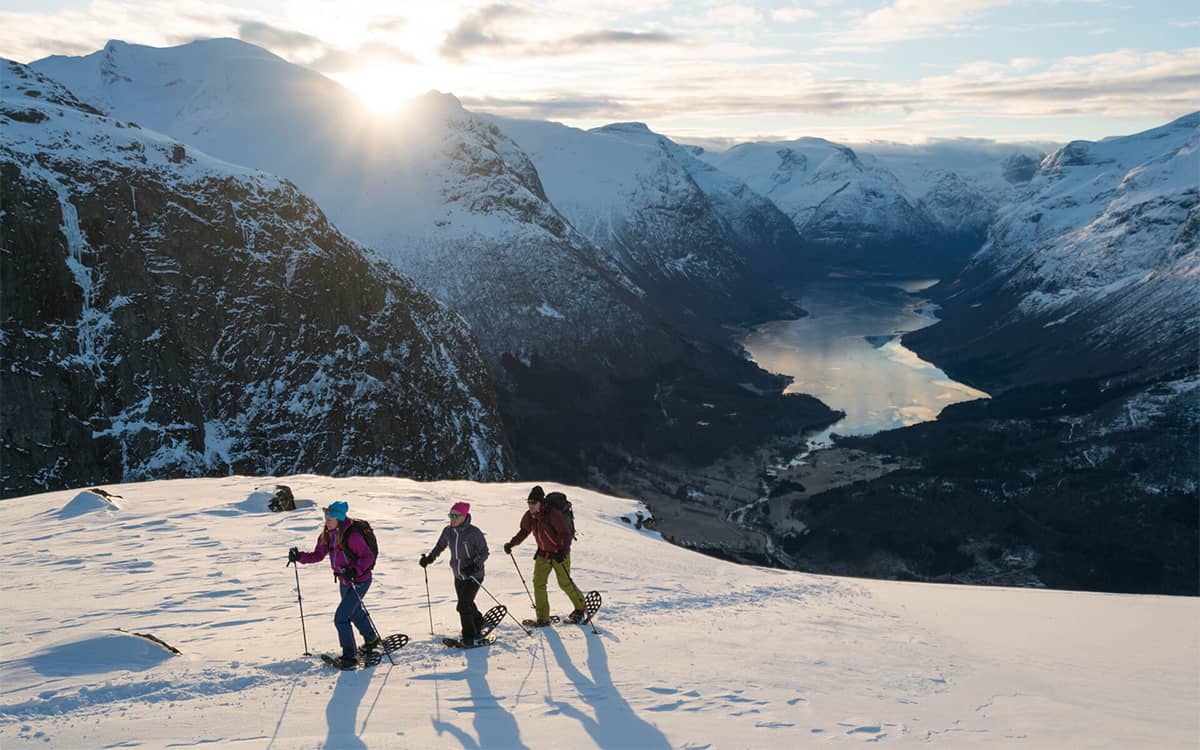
point(368, 535)
point(559, 500)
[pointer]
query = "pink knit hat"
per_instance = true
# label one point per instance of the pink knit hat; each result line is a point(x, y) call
point(461, 508)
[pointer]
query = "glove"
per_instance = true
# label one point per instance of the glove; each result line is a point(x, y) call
point(471, 571)
point(508, 548)
point(293, 555)
point(349, 573)
point(425, 560)
point(560, 557)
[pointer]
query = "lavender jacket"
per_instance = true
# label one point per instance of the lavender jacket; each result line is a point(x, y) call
point(468, 547)
point(330, 543)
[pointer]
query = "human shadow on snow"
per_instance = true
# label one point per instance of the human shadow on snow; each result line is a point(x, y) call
point(494, 727)
point(342, 710)
point(615, 725)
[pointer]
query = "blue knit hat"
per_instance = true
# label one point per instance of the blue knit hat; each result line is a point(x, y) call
point(337, 510)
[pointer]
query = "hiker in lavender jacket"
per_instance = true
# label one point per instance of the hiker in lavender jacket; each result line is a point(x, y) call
point(353, 573)
point(468, 552)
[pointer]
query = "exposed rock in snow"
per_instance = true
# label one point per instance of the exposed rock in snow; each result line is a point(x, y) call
point(167, 313)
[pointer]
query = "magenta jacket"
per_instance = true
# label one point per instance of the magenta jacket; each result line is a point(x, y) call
point(330, 543)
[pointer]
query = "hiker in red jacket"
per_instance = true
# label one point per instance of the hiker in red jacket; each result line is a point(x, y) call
point(553, 536)
point(351, 559)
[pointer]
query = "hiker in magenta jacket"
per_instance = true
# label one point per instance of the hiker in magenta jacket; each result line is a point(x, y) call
point(353, 573)
point(553, 537)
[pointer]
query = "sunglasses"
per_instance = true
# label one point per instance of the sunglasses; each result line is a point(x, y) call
point(454, 515)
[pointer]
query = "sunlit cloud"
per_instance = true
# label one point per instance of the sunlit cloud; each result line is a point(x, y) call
point(793, 15)
point(284, 42)
point(716, 69)
point(914, 19)
point(507, 30)
point(367, 55)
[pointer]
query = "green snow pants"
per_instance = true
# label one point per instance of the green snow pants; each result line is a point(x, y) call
point(541, 574)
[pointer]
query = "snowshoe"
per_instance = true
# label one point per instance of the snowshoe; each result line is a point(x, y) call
point(491, 619)
point(392, 643)
point(344, 663)
point(458, 643)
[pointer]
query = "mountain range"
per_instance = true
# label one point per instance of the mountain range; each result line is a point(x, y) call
point(574, 344)
point(521, 297)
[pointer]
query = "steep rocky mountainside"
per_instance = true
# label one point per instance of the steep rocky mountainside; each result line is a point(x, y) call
point(703, 245)
point(585, 361)
point(901, 209)
point(169, 314)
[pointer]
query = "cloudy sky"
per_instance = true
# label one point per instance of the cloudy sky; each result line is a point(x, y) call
point(849, 70)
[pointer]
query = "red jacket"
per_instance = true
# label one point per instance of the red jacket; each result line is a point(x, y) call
point(550, 531)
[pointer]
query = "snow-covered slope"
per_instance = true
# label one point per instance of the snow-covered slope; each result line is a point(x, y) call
point(882, 206)
point(691, 651)
point(699, 239)
point(167, 313)
point(960, 184)
point(441, 193)
point(1095, 270)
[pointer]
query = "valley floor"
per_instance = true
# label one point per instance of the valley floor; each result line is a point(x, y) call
point(692, 651)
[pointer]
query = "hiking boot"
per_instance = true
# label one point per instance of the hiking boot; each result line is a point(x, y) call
point(538, 623)
point(468, 642)
point(373, 645)
point(576, 617)
point(346, 662)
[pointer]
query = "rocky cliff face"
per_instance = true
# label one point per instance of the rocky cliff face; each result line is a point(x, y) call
point(168, 314)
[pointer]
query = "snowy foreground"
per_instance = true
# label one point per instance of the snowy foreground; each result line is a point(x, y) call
point(693, 652)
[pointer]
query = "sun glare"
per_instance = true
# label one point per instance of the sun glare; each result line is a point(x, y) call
point(384, 90)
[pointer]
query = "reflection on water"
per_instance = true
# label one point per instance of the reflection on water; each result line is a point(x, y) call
point(847, 353)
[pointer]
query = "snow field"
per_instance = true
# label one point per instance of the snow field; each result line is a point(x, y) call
point(693, 652)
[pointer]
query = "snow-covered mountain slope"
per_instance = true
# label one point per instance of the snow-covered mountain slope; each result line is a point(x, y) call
point(1094, 271)
point(441, 193)
point(700, 239)
point(167, 313)
point(893, 208)
point(581, 355)
point(960, 184)
point(691, 651)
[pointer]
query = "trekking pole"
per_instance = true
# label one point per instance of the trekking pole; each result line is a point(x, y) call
point(370, 620)
point(428, 604)
point(518, 567)
point(528, 632)
point(300, 601)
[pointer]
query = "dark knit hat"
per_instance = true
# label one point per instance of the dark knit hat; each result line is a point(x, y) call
point(537, 493)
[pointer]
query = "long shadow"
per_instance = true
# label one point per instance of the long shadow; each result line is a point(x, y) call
point(493, 726)
point(342, 710)
point(615, 725)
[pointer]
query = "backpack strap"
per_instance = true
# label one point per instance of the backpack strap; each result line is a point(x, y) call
point(344, 542)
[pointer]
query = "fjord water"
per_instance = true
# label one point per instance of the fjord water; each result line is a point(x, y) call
point(847, 352)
